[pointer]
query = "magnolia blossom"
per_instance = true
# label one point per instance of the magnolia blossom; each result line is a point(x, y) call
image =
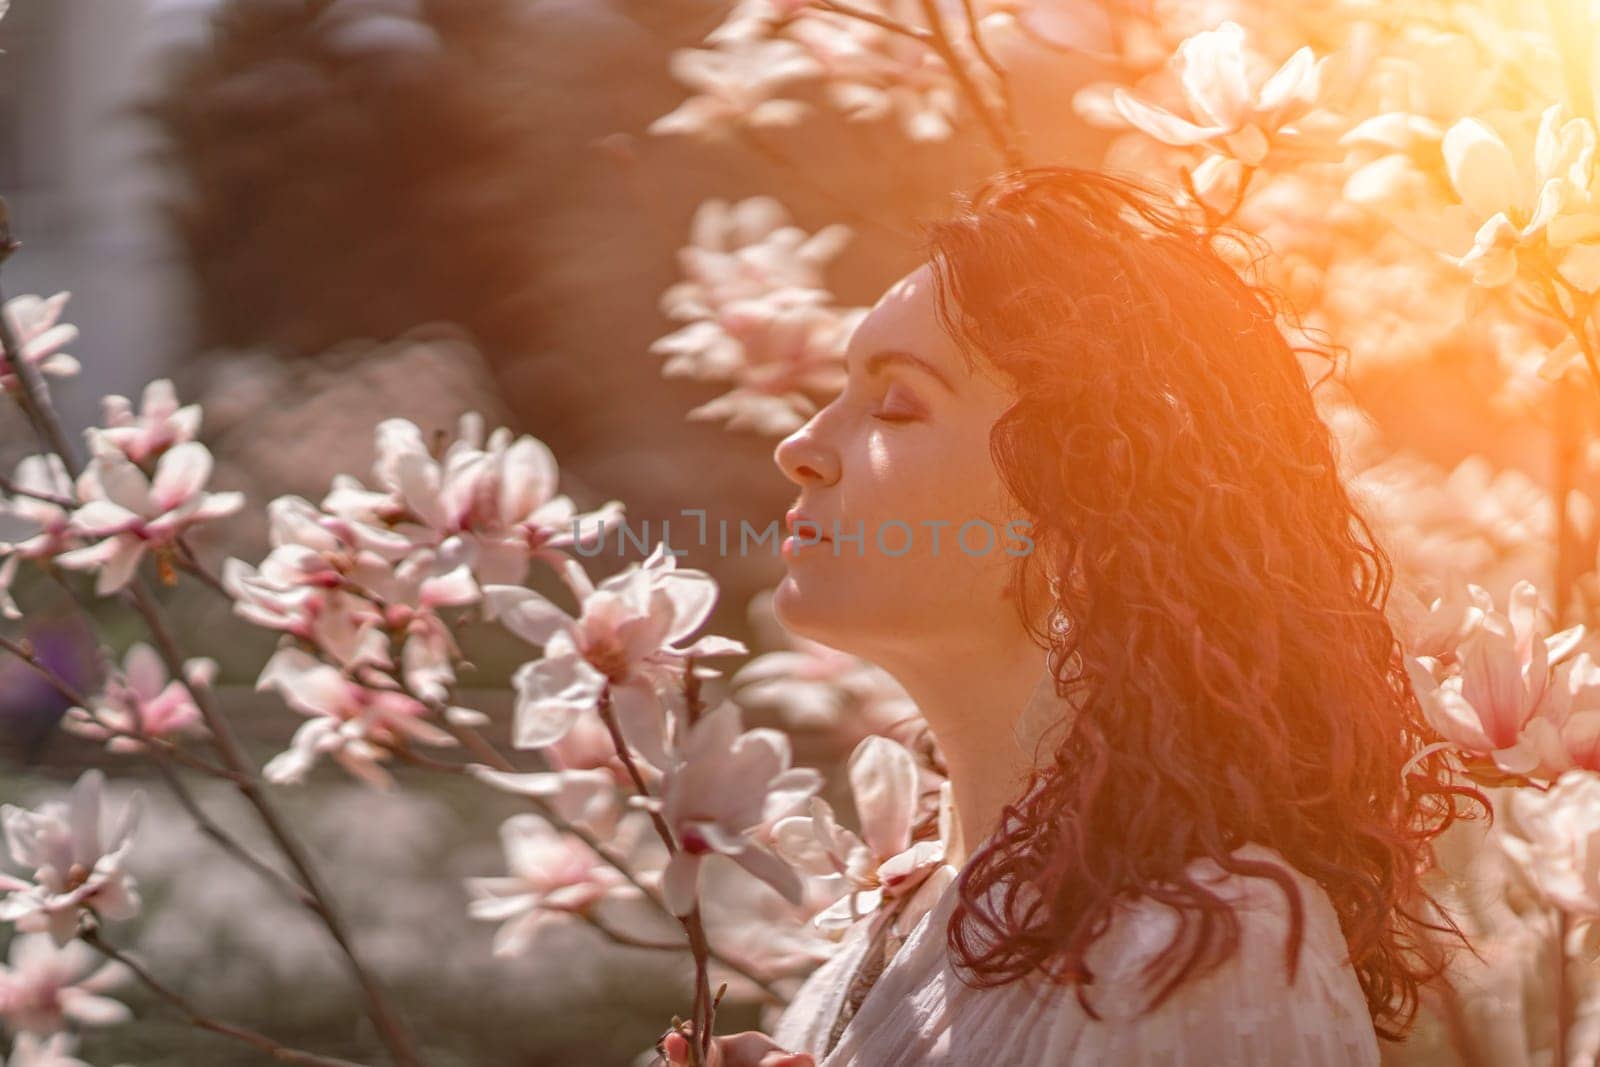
point(74, 865)
point(46, 524)
point(1519, 199)
point(871, 72)
point(139, 698)
point(738, 84)
point(725, 783)
point(551, 874)
point(757, 315)
point(1438, 629)
point(1557, 840)
point(817, 687)
point(356, 723)
point(40, 334)
point(492, 504)
point(587, 776)
point(748, 250)
point(45, 986)
point(621, 646)
point(159, 424)
point(309, 584)
point(1502, 680)
point(1229, 116)
point(882, 864)
point(131, 513)
point(788, 354)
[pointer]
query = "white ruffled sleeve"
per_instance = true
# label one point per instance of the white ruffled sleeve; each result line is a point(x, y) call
point(1246, 1012)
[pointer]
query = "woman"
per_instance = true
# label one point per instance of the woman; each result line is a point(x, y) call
point(1177, 725)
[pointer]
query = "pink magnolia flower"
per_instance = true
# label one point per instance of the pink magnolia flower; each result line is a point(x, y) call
point(552, 874)
point(1566, 732)
point(724, 785)
point(1502, 681)
point(624, 642)
point(883, 863)
point(747, 250)
point(738, 84)
point(784, 355)
point(309, 583)
point(47, 526)
point(355, 723)
point(871, 73)
point(1437, 631)
point(74, 864)
point(139, 697)
point(757, 314)
point(44, 987)
point(817, 687)
point(131, 513)
point(407, 600)
point(584, 786)
point(490, 504)
point(40, 335)
point(158, 425)
point(1229, 116)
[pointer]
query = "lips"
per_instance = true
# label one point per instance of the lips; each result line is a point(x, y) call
point(814, 535)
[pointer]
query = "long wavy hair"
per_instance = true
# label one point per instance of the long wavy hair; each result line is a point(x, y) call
point(1234, 674)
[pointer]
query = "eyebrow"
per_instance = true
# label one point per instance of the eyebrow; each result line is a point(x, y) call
point(878, 360)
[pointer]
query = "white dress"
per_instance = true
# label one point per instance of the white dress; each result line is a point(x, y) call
point(1245, 1012)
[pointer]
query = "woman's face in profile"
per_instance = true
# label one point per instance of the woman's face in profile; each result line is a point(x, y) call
point(906, 510)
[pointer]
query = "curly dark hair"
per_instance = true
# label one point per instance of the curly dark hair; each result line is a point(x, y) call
point(1235, 676)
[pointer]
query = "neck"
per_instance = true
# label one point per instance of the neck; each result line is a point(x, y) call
point(972, 699)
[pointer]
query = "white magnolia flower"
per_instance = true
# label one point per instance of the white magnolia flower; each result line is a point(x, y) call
point(1229, 116)
point(74, 865)
point(355, 723)
point(40, 335)
point(140, 698)
point(1556, 840)
point(552, 874)
point(624, 643)
point(131, 513)
point(1520, 197)
point(46, 526)
point(882, 864)
point(159, 424)
point(725, 784)
point(44, 987)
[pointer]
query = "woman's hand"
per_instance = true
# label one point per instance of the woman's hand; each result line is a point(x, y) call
point(749, 1049)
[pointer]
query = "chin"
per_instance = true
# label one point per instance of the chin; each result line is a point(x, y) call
point(816, 611)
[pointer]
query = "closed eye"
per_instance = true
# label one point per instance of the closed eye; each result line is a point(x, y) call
point(900, 405)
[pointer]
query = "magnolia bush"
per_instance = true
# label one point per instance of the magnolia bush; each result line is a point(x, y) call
point(1420, 177)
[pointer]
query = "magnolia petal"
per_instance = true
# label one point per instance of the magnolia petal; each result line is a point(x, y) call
point(883, 780)
point(771, 870)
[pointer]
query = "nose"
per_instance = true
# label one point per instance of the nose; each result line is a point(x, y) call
point(805, 458)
